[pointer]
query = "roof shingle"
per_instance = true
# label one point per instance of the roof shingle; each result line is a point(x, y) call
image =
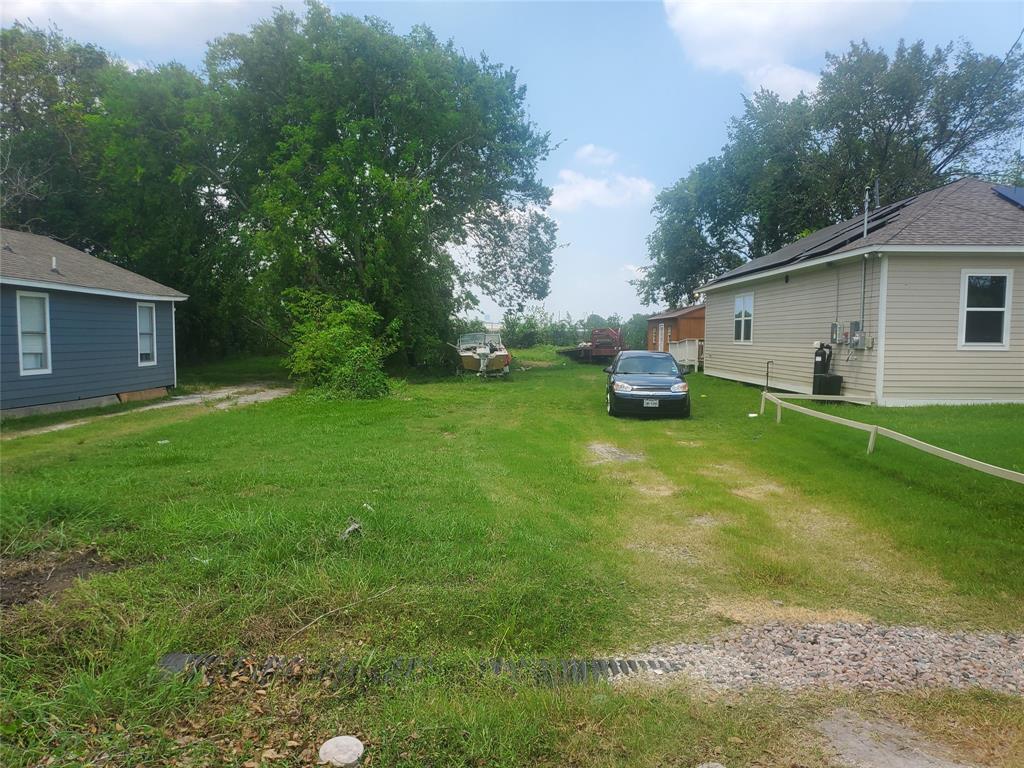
point(968, 212)
point(28, 257)
point(676, 312)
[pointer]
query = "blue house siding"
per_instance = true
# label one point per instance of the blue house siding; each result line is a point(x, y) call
point(93, 348)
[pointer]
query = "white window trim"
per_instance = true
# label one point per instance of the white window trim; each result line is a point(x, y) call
point(740, 340)
point(138, 334)
point(1007, 309)
point(49, 358)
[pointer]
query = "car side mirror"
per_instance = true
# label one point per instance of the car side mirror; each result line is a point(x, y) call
point(608, 369)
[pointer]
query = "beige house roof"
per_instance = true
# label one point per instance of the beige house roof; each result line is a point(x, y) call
point(27, 259)
point(965, 213)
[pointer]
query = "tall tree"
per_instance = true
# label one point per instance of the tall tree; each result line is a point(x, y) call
point(50, 86)
point(318, 152)
point(913, 121)
point(357, 159)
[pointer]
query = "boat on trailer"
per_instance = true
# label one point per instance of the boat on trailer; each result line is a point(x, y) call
point(482, 354)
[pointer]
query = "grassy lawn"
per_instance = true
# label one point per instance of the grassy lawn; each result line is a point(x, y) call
point(11, 425)
point(487, 531)
point(983, 432)
point(264, 369)
point(238, 370)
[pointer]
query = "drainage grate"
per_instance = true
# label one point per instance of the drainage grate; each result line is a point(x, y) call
point(234, 669)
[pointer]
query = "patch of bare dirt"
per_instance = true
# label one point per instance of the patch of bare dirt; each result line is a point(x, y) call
point(48, 573)
point(721, 471)
point(661, 490)
point(705, 521)
point(221, 399)
point(665, 551)
point(689, 443)
point(768, 611)
point(861, 743)
point(604, 453)
point(759, 491)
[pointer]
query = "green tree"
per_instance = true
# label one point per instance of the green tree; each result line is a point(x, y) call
point(318, 152)
point(157, 211)
point(50, 86)
point(634, 332)
point(359, 159)
point(913, 121)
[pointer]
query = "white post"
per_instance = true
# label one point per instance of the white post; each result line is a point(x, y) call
point(174, 342)
point(778, 411)
point(871, 439)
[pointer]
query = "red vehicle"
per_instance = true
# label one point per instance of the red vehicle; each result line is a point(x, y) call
point(604, 344)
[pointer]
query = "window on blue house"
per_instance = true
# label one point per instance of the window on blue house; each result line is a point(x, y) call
point(33, 333)
point(147, 333)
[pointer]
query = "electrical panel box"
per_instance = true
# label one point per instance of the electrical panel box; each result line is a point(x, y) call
point(851, 335)
point(856, 339)
point(837, 334)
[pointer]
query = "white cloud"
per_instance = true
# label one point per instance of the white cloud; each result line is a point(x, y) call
point(160, 27)
point(574, 190)
point(592, 154)
point(759, 39)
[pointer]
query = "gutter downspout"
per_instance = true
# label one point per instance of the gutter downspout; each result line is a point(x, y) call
point(864, 261)
point(883, 297)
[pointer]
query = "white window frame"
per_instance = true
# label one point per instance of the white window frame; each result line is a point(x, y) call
point(138, 334)
point(741, 340)
point(46, 314)
point(965, 275)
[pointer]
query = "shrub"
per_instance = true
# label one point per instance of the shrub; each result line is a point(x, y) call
point(338, 346)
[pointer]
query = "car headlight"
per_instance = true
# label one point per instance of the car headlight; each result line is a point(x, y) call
point(682, 386)
point(621, 386)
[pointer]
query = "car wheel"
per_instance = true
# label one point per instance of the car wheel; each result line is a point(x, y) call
point(610, 404)
point(685, 413)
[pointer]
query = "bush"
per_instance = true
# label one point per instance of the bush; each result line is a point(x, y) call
point(338, 346)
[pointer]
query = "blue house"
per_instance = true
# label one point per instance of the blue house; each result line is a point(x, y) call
point(77, 331)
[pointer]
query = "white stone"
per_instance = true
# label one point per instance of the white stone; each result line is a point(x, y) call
point(341, 750)
point(710, 765)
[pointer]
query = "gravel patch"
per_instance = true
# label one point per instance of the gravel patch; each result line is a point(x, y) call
point(262, 396)
point(852, 655)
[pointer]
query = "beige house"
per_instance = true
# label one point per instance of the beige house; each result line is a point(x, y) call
point(927, 308)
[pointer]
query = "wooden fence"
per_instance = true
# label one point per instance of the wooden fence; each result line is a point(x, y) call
point(874, 431)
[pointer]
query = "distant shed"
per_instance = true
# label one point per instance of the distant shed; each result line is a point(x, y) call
point(674, 325)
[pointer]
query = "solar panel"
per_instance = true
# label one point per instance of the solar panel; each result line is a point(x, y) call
point(1014, 194)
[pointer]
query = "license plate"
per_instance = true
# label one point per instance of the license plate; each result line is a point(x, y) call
point(650, 403)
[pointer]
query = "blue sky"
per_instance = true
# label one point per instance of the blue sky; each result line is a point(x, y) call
point(635, 94)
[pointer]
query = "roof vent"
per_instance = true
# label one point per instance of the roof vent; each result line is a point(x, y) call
point(53, 265)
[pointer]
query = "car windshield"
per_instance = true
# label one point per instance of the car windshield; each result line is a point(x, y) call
point(652, 365)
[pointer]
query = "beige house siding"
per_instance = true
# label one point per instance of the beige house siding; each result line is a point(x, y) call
point(921, 360)
point(788, 318)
